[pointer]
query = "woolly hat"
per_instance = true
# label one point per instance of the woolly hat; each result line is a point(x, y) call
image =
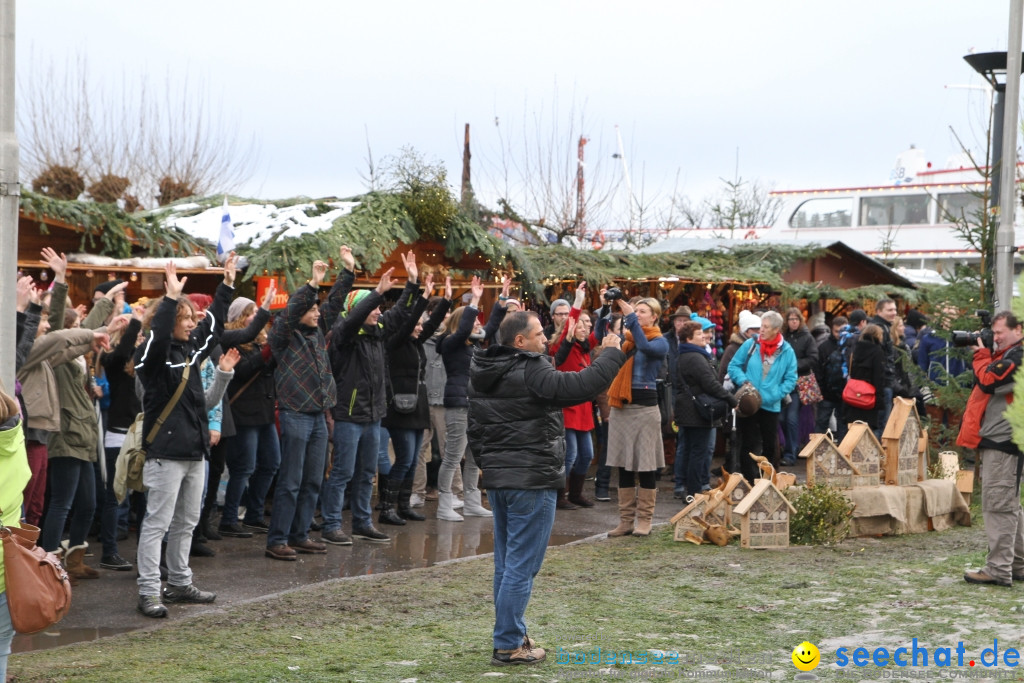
point(704, 322)
point(353, 298)
point(916, 319)
point(105, 287)
point(749, 321)
point(236, 308)
point(559, 302)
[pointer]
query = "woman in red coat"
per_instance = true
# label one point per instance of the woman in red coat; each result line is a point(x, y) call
point(571, 351)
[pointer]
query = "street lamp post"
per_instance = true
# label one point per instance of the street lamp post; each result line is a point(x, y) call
point(993, 67)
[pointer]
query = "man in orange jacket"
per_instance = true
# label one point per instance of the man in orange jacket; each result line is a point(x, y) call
point(985, 427)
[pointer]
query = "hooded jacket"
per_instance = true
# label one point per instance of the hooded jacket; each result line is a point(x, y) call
point(805, 348)
point(984, 423)
point(159, 364)
point(358, 359)
point(302, 377)
point(746, 366)
point(407, 365)
point(516, 431)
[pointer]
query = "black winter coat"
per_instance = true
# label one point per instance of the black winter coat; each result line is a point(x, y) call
point(695, 374)
point(159, 364)
point(516, 430)
point(407, 366)
point(254, 406)
point(805, 348)
point(358, 359)
point(868, 364)
point(457, 353)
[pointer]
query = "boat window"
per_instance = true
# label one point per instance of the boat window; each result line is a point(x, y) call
point(959, 206)
point(897, 210)
point(823, 213)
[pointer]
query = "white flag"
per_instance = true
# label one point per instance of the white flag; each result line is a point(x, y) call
point(226, 241)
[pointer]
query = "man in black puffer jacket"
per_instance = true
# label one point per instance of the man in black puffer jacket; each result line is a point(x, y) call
point(517, 432)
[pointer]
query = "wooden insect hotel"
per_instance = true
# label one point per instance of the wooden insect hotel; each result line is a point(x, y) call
point(905, 445)
point(826, 464)
point(711, 508)
point(864, 453)
point(764, 517)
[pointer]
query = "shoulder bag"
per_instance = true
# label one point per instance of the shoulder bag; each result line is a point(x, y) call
point(132, 456)
point(808, 390)
point(407, 403)
point(710, 408)
point(38, 589)
point(859, 393)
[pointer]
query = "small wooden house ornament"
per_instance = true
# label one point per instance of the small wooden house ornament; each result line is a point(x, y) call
point(764, 517)
point(826, 464)
point(901, 441)
point(684, 519)
point(865, 453)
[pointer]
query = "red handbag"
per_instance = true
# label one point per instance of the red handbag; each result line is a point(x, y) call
point(859, 393)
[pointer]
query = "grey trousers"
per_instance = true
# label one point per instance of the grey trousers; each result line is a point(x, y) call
point(1004, 518)
point(437, 426)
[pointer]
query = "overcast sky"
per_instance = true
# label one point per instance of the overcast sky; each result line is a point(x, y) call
point(810, 94)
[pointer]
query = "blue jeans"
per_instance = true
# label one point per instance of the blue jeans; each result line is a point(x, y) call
point(355, 459)
point(522, 528)
point(250, 447)
point(791, 426)
point(383, 460)
point(697, 454)
point(680, 466)
point(304, 452)
point(883, 414)
point(579, 451)
point(72, 486)
point(6, 635)
point(407, 443)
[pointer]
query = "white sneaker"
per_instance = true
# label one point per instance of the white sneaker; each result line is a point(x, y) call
point(416, 501)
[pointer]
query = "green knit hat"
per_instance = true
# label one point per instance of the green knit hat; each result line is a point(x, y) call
point(353, 298)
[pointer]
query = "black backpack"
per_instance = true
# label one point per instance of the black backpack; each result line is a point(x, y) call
point(833, 375)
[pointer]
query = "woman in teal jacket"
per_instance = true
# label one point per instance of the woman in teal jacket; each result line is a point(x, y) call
point(769, 363)
point(14, 476)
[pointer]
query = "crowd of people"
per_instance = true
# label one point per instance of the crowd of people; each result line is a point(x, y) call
point(302, 408)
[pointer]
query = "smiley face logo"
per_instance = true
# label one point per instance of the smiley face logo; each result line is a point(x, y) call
point(806, 656)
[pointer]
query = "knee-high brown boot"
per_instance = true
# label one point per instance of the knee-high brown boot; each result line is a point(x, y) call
point(645, 511)
point(627, 512)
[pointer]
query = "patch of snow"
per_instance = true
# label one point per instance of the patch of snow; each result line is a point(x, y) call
point(257, 223)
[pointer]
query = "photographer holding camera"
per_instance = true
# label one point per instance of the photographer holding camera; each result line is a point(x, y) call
point(985, 428)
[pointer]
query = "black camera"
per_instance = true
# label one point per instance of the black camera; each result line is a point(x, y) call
point(962, 339)
point(612, 294)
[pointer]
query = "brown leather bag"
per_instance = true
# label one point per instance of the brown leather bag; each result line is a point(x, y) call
point(38, 588)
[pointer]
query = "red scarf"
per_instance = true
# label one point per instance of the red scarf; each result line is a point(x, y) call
point(768, 348)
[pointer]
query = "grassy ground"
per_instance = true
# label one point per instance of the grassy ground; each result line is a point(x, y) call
point(726, 610)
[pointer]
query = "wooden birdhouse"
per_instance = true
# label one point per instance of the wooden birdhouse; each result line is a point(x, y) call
point(764, 517)
point(904, 462)
point(865, 453)
point(825, 464)
point(684, 520)
point(735, 489)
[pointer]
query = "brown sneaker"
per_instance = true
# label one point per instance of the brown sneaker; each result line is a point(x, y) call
point(523, 654)
point(981, 576)
point(309, 547)
point(280, 552)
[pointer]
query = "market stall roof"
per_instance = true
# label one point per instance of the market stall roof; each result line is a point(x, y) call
point(868, 271)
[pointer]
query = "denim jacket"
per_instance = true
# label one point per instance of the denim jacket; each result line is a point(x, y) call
point(650, 355)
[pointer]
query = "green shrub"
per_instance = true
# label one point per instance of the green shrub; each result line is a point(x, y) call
point(822, 515)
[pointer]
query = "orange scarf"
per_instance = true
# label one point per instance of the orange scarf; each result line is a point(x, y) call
point(621, 390)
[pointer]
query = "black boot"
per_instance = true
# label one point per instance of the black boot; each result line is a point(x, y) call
point(382, 487)
point(207, 529)
point(389, 500)
point(405, 510)
point(576, 491)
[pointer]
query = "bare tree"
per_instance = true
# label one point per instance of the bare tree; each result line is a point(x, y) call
point(533, 172)
point(166, 144)
point(740, 205)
